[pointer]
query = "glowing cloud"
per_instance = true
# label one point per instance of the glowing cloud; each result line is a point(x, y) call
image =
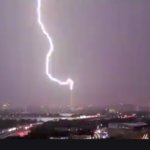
point(69, 81)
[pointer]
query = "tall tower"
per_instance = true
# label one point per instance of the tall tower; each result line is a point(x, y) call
point(71, 100)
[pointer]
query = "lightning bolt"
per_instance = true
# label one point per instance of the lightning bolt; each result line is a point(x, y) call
point(69, 81)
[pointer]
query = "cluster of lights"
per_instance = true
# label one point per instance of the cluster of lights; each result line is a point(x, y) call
point(24, 133)
point(100, 134)
point(12, 129)
point(145, 137)
point(128, 116)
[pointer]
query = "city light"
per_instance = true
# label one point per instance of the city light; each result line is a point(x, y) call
point(69, 81)
point(12, 129)
point(145, 137)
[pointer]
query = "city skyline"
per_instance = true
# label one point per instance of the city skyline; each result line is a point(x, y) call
point(102, 45)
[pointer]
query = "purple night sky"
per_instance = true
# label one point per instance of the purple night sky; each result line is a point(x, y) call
point(104, 45)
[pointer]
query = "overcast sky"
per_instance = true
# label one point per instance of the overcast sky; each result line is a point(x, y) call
point(104, 45)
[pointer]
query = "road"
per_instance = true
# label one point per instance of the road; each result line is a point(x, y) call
point(20, 131)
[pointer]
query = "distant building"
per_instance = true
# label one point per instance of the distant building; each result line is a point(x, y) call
point(81, 137)
point(5, 106)
point(101, 133)
point(128, 130)
point(128, 107)
point(58, 138)
point(127, 125)
point(112, 110)
point(65, 114)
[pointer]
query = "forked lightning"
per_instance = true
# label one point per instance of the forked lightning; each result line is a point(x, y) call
point(69, 81)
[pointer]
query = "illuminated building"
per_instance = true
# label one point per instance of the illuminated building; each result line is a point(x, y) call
point(112, 110)
point(5, 106)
